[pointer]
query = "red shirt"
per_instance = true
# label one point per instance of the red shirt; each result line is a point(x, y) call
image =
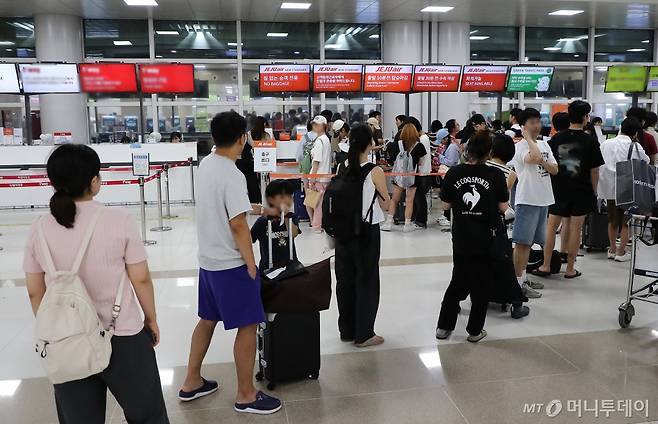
point(648, 143)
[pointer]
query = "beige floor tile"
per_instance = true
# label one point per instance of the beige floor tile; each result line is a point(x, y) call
point(410, 406)
point(500, 359)
point(607, 349)
point(220, 415)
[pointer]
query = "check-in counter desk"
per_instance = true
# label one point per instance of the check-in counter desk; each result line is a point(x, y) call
point(19, 163)
point(286, 151)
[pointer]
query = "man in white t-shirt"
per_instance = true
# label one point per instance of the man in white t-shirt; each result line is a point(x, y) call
point(229, 283)
point(321, 159)
point(515, 129)
point(534, 164)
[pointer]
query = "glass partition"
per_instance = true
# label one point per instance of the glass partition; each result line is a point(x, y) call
point(280, 40)
point(556, 44)
point(17, 37)
point(195, 39)
point(494, 43)
point(352, 41)
point(120, 38)
point(623, 45)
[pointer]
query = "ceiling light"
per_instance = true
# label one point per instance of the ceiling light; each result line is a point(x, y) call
point(296, 52)
point(167, 32)
point(479, 37)
point(200, 66)
point(646, 41)
point(296, 6)
point(566, 12)
point(332, 46)
point(437, 9)
point(277, 34)
point(6, 43)
point(9, 50)
point(174, 51)
point(552, 49)
point(234, 44)
point(635, 50)
point(122, 43)
point(141, 2)
point(374, 36)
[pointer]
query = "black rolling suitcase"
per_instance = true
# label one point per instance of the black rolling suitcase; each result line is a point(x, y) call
point(595, 230)
point(289, 342)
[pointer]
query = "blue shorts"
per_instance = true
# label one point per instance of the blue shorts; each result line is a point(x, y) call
point(230, 296)
point(530, 225)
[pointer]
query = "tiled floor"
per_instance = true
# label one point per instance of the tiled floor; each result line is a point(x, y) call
point(568, 349)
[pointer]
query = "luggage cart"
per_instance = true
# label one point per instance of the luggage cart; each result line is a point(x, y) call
point(644, 251)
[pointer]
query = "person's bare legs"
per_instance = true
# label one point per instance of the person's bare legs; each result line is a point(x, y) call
point(564, 235)
point(201, 338)
point(244, 354)
point(551, 228)
point(612, 238)
point(397, 194)
point(409, 203)
point(623, 240)
point(575, 229)
point(521, 255)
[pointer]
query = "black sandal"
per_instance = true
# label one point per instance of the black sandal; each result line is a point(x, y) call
point(576, 275)
point(539, 273)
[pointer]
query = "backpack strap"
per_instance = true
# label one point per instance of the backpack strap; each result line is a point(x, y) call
point(116, 308)
point(85, 241)
point(49, 265)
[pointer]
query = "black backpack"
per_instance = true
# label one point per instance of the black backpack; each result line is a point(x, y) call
point(342, 204)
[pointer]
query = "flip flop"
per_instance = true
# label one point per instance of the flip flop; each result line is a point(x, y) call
point(539, 273)
point(576, 275)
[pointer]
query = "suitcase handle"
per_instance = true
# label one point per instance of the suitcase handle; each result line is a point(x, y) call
point(290, 238)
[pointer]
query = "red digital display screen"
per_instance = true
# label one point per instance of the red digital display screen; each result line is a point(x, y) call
point(484, 78)
point(437, 78)
point(108, 78)
point(337, 78)
point(387, 78)
point(166, 78)
point(288, 78)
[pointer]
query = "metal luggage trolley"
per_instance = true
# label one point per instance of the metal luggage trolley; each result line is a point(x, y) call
point(644, 263)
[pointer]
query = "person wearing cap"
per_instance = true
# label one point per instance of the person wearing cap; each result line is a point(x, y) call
point(342, 131)
point(322, 160)
point(376, 128)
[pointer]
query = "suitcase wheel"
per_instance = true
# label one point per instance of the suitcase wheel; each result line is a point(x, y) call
point(271, 386)
point(259, 376)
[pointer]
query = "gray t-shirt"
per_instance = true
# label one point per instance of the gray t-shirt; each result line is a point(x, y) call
point(221, 197)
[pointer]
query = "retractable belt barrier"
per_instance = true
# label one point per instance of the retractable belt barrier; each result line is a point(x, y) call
point(290, 176)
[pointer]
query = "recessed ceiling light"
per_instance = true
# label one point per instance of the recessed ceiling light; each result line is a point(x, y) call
point(122, 43)
point(277, 34)
point(9, 50)
point(141, 2)
point(566, 12)
point(297, 52)
point(479, 37)
point(374, 36)
point(552, 49)
point(234, 44)
point(636, 50)
point(167, 32)
point(199, 66)
point(296, 6)
point(174, 51)
point(6, 43)
point(437, 9)
point(646, 41)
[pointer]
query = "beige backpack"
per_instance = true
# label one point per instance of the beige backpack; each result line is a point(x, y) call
point(71, 340)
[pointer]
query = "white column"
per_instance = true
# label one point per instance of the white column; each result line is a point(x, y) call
point(401, 43)
point(59, 39)
point(454, 49)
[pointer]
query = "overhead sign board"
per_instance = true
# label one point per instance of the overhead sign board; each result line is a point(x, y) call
point(166, 78)
point(337, 78)
point(529, 79)
point(440, 78)
point(387, 78)
point(484, 78)
point(108, 78)
point(49, 78)
point(284, 78)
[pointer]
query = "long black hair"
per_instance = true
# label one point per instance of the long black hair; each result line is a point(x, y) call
point(70, 168)
point(360, 139)
point(258, 130)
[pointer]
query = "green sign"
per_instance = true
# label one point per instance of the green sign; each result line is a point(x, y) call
point(530, 78)
point(626, 79)
point(652, 82)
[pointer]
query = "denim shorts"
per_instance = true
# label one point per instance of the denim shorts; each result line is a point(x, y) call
point(230, 296)
point(530, 225)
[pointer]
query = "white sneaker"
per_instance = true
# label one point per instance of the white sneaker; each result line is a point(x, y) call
point(443, 221)
point(626, 257)
point(387, 226)
point(410, 228)
point(611, 255)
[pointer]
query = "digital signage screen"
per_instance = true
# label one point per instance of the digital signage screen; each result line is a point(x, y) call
point(387, 78)
point(108, 78)
point(438, 78)
point(484, 78)
point(166, 78)
point(337, 78)
point(284, 78)
point(626, 79)
point(528, 79)
point(49, 78)
point(652, 81)
point(9, 79)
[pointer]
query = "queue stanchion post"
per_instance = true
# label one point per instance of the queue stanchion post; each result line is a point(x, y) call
point(192, 180)
point(168, 214)
point(161, 227)
point(142, 211)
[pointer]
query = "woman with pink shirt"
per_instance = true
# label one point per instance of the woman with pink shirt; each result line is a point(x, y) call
point(115, 249)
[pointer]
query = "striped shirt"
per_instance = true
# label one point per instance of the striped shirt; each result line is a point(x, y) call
point(506, 169)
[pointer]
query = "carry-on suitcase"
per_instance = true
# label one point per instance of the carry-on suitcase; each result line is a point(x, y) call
point(595, 230)
point(504, 288)
point(300, 209)
point(289, 342)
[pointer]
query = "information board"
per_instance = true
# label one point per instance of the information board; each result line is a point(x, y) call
point(626, 79)
point(484, 78)
point(528, 79)
point(337, 78)
point(166, 78)
point(108, 78)
point(652, 81)
point(9, 79)
point(49, 78)
point(265, 156)
point(439, 78)
point(284, 78)
point(387, 78)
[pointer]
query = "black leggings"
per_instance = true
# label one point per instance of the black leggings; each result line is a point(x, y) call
point(357, 285)
point(133, 379)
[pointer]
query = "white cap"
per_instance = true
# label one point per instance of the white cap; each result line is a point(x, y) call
point(374, 122)
point(320, 120)
point(338, 124)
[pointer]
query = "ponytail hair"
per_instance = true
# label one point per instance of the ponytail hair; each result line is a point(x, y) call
point(70, 167)
point(360, 139)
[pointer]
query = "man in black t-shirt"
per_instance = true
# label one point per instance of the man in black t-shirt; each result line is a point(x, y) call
point(574, 187)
